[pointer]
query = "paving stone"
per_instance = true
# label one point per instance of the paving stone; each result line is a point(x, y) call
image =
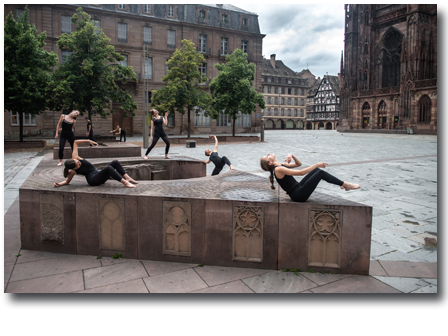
point(425, 254)
point(182, 281)
point(410, 269)
point(215, 275)
point(355, 284)
point(7, 271)
point(229, 287)
point(405, 285)
point(107, 275)
point(323, 279)
point(431, 281)
point(63, 264)
point(162, 267)
point(377, 249)
point(279, 282)
point(29, 256)
point(59, 283)
point(133, 286)
point(105, 261)
point(395, 242)
point(376, 268)
point(430, 289)
point(421, 238)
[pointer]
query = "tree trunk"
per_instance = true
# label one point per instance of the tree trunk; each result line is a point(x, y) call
point(189, 123)
point(181, 123)
point(233, 128)
point(21, 126)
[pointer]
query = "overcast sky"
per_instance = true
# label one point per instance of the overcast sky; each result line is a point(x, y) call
point(299, 34)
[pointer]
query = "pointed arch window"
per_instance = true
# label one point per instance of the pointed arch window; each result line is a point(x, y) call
point(424, 107)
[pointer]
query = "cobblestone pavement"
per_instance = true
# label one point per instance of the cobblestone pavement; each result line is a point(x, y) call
point(398, 177)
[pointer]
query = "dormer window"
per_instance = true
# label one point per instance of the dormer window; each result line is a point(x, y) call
point(122, 7)
point(147, 8)
point(171, 10)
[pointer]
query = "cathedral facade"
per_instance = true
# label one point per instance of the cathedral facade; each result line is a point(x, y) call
point(389, 68)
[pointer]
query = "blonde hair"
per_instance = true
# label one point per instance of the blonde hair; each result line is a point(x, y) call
point(270, 168)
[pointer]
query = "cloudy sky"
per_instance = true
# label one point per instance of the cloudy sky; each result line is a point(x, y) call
point(302, 36)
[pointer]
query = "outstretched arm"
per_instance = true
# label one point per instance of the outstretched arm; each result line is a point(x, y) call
point(289, 164)
point(75, 147)
point(165, 118)
point(216, 143)
point(67, 181)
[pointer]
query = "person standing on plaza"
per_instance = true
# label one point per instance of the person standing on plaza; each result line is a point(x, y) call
point(158, 132)
point(94, 177)
point(65, 125)
point(299, 191)
point(219, 162)
point(119, 130)
point(89, 130)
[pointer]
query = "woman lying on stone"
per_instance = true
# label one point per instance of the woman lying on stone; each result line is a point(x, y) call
point(299, 191)
point(94, 177)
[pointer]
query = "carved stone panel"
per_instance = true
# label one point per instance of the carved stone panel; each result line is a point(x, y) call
point(248, 233)
point(177, 228)
point(112, 224)
point(325, 238)
point(52, 218)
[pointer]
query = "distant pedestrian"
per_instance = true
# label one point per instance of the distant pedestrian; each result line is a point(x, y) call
point(219, 162)
point(119, 130)
point(65, 125)
point(89, 129)
point(158, 132)
point(299, 191)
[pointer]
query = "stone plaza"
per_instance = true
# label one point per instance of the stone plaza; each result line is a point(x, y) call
point(398, 177)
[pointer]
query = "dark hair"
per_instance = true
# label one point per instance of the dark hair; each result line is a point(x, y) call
point(152, 112)
point(267, 167)
point(69, 164)
point(206, 152)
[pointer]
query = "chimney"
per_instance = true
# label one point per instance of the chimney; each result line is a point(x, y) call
point(273, 60)
point(219, 6)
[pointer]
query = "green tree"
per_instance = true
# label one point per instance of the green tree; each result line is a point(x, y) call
point(89, 78)
point(182, 90)
point(27, 68)
point(232, 90)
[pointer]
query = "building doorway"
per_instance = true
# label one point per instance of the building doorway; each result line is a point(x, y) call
point(309, 126)
point(320, 126)
point(328, 126)
point(382, 115)
point(396, 119)
point(125, 123)
point(365, 115)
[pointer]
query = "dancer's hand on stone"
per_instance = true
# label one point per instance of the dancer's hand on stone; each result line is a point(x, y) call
point(93, 143)
point(322, 164)
point(56, 185)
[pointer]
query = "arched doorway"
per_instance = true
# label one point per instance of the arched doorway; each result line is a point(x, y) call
point(299, 124)
point(309, 126)
point(329, 126)
point(424, 109)
point(382, 114)
point(320, 126)
point(365, 115)
point(279, 124)
point(289, 124)
point(269, 124)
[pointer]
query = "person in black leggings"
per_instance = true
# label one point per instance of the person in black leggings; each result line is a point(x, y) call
point(218, 161)
point(89, 130)
point(157, 130)
point(120, 131)
point(66, 124)
point(94, 177)
point(299, 191)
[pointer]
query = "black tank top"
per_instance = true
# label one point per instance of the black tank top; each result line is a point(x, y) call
point(66, 127)
point(158, 127)
point(86, 168)
point(288, 182)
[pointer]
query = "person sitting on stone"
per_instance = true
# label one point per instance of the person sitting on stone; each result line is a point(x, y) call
point(299, 191)
point(94, 177)
point(218, 161)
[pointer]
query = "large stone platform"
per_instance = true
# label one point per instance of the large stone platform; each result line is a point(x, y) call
point(233, 219)
point(104, 150)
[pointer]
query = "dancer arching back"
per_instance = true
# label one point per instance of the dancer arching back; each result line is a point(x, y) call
point(157, 132)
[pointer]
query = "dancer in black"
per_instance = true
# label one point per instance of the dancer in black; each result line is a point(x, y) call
point(94, 177)
point(120, 131)
point(158, 132)
point(66, 124)
point(299, 191)
point(89, 130)
point(219, 162)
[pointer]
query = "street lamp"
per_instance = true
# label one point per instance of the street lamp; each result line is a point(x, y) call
point(262, 126)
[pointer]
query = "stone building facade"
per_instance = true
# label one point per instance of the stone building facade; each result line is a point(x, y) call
point(285, 95)
point(323, 104)
point(216, 30)
point(389, 68)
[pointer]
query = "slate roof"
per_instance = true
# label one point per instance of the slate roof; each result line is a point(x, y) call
point(281, 70)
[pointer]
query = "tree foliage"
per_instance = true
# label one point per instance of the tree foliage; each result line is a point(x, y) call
point(182, 90)
point(27, 68)
point(90, 77)
point(232, 90)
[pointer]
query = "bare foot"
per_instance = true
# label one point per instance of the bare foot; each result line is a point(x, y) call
point(350, 186)
point(167, 157)
point(131, 180)
point(60, 163)
point(129, 185)
point(231, 167)
point(145, 157)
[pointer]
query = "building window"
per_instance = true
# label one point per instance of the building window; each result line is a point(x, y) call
point(275, 112)
point(244, 45)
point(262, 79)
point(289, 101)
point(295, 113)
point(283, 90)
point(289, 91)
point(64, 55)
point(424, 106)
point(147, 9)
point(276, 80)
point(289, 81)
point(269, 100)
point(171, 39)
point(147, 35)
point(19, 13)
point(170, 121)
point(224, 120)
point(269, 89)
point(276, 101)
point(200, 120)
point(302, 101)
point(275, 89)
point(282, 111)
point(243, 120)
point(202, 43)
point(66, 24)
point(202, 16)
point(122, 32)
point(125, 62)
point(171, 11)
point(28, 119)
point(269, 79)
point(97, 24)
point(224, 44)
point(203, 69)
point(123, 7)
point(147, 68)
